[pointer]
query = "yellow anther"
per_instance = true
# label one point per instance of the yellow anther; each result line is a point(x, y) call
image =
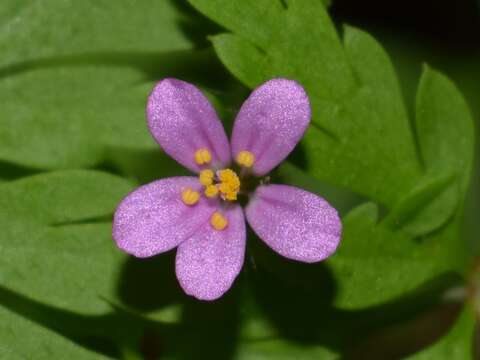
point(229, 177)
point(206, 177)
point(229, 184)
point(224, 188)
point(245, 158)
point(190, 197)
point(218, 221)
point(211, 191)
point(231, 196)
point(203, 156)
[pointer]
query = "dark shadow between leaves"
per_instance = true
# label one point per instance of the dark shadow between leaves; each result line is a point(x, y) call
point(291, 294)
point(9, 171)
point(194, 25)
point(406, 338)
point(108, 334)
point(87, 331)
point(298, 158)
point(209, 328)
point(212, 328)
point(143, 166)
point(149, 284)
point(190, 65)
point(297, 299)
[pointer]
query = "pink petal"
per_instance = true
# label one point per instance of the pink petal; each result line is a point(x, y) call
point(271, 122)
point(182, 121)
point(208, 262)
point(295, 223)
point(153, 218)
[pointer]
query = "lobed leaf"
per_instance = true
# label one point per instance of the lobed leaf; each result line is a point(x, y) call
point(445, 128)
point(375, 265)
point(361, 137)
point(50, 118)
point(71, 95)
point(33, 29)
point(21, 338)
point(56, 240)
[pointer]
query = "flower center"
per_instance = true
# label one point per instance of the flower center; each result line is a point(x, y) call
point(224, 183)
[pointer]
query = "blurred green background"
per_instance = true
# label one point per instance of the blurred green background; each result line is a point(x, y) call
point(394, 158)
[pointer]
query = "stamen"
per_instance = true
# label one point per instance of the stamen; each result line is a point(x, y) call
point(245, 158)
point(211, 191)
point(206, 177)
point(203, 156)
point(190, 197)
point(218, 221)
point(229, 184)
point(229, 177)
point(231, 196)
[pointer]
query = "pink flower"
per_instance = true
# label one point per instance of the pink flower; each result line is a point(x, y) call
point(201, 215)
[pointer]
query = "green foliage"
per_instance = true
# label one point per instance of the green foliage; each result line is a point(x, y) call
point(32, 30)
point(49, 117)
point(75, 98)
point(56, 238)
point(362, 139)
point(51, 120)
point(22, 339)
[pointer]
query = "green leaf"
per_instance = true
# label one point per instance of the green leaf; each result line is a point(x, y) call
point(390, 264)
point(76, 111)
point(72, 95)
point(376, 264)
point(56, 238)
point(38, 29)
point(361, 136)
point(427, 207)
point(231, 48)
point(50, 118)
point(457, 344)
point(446, 139)
point(21, 338)
point(444, 127)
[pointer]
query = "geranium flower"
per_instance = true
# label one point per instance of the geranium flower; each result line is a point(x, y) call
point(202, 216)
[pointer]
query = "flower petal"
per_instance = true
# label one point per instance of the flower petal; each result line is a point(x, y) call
point(153, 218)
point(208, 262)
point(271, 122)
point(182, 121)
point(295, 223)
